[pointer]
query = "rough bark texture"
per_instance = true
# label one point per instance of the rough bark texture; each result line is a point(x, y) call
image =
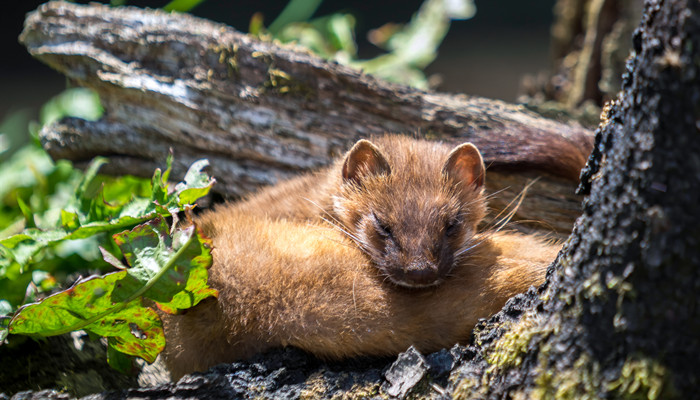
point(262, 112)
point(71, 361)
point(618, 317)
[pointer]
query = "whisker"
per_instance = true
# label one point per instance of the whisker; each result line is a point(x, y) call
point(342, 230)
point(464, 250)
point(322, 209)
point(545, 224)
point(497, 192)
point(518, 200)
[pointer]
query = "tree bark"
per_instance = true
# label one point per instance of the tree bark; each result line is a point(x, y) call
point(261, 111)
point(619, 314)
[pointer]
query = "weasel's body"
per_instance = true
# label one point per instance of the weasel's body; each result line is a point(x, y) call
point(401, 263)
point(282, 283)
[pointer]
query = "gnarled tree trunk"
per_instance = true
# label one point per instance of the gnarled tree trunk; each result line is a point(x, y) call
point(619, 315)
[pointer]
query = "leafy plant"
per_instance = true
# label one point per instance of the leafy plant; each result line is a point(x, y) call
point(56, 221)
point(169, 268)
point(34, 194)
point(410, 48)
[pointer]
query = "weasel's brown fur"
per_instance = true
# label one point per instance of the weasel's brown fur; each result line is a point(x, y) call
point(283, 283)
point(403, 216)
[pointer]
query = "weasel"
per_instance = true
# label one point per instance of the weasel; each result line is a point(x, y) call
point(285, 283)
point(411, 205)
point(400, 262)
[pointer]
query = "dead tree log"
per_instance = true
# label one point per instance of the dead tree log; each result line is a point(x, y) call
point(262, 112)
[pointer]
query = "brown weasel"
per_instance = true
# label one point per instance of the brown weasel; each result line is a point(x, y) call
point(307, 285)
point(400, 264)
point(411, 205)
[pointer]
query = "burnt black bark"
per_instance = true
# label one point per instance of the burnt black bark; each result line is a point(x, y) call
point(618, 315)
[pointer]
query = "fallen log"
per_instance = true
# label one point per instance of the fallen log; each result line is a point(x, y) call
point(261, 111)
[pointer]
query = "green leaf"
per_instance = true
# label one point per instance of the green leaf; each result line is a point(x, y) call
point(118, 360)
point(182, 5)
point(196, 185)
point(195, 291)
point(294, 11)
point(27, 212)
point(5, 308)
point(13, 285)
point(168, 165)
point(84, 189)
point(76, 102)
point(177, 264)
point(341, 29)
point(147, 248)
point(159, 188)
point(134, 329)
point(196, 259)
point(13, 132)
point(23, 169)
point(111, 259)
point(69, 220)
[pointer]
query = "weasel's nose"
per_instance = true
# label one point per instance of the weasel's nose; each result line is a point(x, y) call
point(420, 274)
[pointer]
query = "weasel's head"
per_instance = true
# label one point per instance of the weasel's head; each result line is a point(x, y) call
point(412, 206)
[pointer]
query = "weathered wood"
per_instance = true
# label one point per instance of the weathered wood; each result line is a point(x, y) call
point(262, 112)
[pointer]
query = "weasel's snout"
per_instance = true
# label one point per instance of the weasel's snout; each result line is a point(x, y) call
point(417, 274)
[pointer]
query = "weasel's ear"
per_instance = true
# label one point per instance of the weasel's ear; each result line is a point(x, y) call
point(465, 165)
point(362, 160)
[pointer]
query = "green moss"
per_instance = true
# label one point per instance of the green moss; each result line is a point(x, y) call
point(507, 352)
point(642, 378)
point(315, 388)
point(469, 388)
point(227, 56)
point(283, 83)
point(593, 287)
point(580, 382)
point(358, 392)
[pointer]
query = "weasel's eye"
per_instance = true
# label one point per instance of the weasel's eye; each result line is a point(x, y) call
point(382, 227)
point(451, 227)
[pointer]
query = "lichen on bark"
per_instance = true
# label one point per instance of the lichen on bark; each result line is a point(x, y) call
point(620, 308)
